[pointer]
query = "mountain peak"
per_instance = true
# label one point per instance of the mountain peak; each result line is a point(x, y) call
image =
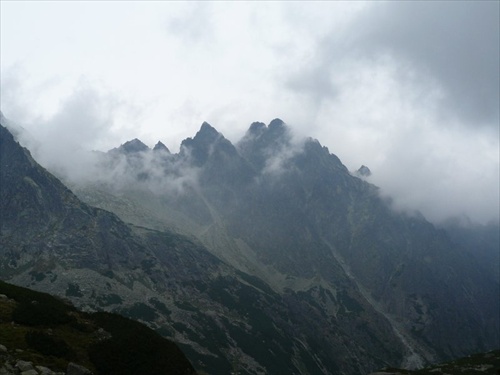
point(206, 135)
point(257, 128)
point(364, 171)
point(278, 130)
point(205, 142)
point(207, 132)
point(276, 124)
point(260, 142)
point(135, 145)
point(161, 147)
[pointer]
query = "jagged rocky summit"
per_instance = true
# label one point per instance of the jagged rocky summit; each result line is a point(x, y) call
point(364, 171)
point(266, 256)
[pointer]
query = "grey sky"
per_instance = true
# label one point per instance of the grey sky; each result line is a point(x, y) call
point(456, 44)
point(410, 89)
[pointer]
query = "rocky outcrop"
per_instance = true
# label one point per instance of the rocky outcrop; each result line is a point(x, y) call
point(12, 365)
point(131, 147)
point(364, 171)
point(161, 148)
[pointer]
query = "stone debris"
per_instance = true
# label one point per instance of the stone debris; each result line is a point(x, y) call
point(101, 334)
point(24, 366)
point(30, 372)
point(42, 370)
point(74, 369)
point(11, 366)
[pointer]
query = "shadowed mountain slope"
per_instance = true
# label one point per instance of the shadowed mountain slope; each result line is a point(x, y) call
point(222, 318)
point(290, 212)
point(264, 257)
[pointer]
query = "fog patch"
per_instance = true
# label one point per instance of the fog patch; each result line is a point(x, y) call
point(66, 142)
point(278, 160)
point(154, 171)
point(442, 175)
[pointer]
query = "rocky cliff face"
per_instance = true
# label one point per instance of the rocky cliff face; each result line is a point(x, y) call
point(292, 265)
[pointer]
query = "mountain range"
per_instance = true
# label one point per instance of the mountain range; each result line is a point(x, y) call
point(263, 257)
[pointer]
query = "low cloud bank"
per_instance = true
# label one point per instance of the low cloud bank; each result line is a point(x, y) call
point(409, 89)
point(433, 174)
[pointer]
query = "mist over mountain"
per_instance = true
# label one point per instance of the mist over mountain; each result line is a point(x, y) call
point(267, 255)
point(143, 172)
point(418, 172)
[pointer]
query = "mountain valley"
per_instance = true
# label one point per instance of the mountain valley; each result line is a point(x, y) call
point(263, 257)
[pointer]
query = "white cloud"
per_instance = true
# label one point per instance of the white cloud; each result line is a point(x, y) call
point(375, 82)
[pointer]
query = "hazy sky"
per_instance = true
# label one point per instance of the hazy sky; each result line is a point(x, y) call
point(410, 89)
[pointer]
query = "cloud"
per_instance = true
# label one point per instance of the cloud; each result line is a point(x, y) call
point(278, 160)
point(156, 172)
point(192, 22)
point(441, 173)
point(456, 43)
point(62, 139)
point(393, 126)
point(410, 89)
point(397, 86)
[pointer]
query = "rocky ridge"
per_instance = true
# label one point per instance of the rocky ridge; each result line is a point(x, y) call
point(222, 318)
point(260, 204)
point(302, 257)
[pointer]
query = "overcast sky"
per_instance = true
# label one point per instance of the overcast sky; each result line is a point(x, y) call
point(410, 89)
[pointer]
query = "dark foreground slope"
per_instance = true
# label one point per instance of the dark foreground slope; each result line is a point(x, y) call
point(38, 328)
